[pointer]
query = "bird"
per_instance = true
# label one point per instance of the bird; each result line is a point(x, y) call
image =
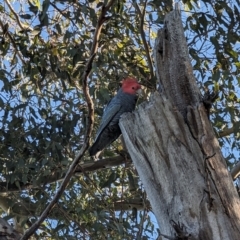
point(109, 130)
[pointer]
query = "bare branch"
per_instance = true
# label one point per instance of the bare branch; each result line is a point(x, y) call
point(146, 47)
point(235, 172)
point(129, 204)
point(71, 170)
point(226, 132)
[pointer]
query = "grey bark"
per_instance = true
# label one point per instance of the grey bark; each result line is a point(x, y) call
point(7, 232)
point(176, 153)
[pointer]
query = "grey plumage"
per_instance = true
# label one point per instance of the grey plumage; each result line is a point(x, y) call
point(109, 129)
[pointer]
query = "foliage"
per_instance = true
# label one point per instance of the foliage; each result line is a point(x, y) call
point(44, 48)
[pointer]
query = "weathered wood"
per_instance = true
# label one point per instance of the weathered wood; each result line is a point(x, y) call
point(7, 232)
point(173, 67)
point(176, 153)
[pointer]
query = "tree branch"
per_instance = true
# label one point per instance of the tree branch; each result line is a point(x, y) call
point(63, 14)
point(89, 127)
point(24, 208)
point(58, 176)
point(235, 172)
point(16, 16)
point(225, 132)
point(142, 33)
point(137, 203)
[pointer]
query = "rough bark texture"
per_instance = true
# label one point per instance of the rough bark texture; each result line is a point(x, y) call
point(176, 153)
point(173, 68)
point(7, 232)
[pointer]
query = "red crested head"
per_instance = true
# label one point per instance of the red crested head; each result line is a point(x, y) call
point(130, 85)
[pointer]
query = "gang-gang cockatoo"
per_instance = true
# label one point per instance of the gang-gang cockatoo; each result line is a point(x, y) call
point(109, 130)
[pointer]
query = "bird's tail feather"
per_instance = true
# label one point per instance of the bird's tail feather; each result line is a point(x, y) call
point(94, 150)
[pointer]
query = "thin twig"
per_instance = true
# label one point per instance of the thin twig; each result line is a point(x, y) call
point(63, 14)
point(235, 172)
point(89, 127)
point(139, 234)
point(70, 220)
point(193, 41)
point(226, 132)
point(16, 16)
point(146, 47)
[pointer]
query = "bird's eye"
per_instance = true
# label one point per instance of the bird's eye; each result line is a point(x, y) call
point(133, 87)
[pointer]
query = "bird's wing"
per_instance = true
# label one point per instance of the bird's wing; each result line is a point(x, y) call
point(110, 111)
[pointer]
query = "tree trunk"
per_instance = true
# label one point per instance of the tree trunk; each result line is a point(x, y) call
point(173, 146)
point(7, 232)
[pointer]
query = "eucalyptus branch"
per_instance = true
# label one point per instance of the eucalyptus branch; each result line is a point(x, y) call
point(70, 172)
point(58, 176)
point(16, 16)
point(63, 14)
point(142, 33)
point(226, 132)
point(127, 205)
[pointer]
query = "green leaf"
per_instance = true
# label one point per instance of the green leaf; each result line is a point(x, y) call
point(111, 179)
point(45, 7)
point(25, 16)
point(203, 20)
point(215, 42)
point(33, 112)
point(34, 8)
point(36, 31)
point(4, 48)
point(58, 27)
point(237, 64)
point(120, 228)
point(99, 4)
point(59, 227)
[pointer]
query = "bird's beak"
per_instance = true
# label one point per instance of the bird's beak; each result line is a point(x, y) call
point(139, 92)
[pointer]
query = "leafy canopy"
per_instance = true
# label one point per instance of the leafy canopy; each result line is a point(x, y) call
point(44, 48)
